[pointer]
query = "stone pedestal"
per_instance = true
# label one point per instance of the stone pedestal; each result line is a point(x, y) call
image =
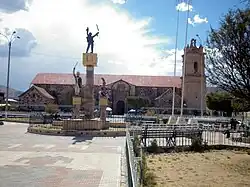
point(103, 103)
point(79, 124)
point(181, 121)
point(89, 61)
point(193, 123)
point(172, 120)
point(77, 101)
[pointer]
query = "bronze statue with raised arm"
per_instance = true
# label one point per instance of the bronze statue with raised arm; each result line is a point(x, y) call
point(78, 80)
point(90, 40)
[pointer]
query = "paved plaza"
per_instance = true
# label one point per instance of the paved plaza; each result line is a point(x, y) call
point(30, 160)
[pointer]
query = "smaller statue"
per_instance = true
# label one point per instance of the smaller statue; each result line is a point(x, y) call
point(103, 92)
point(78, 81)
point(193, 43)
point(90, 40)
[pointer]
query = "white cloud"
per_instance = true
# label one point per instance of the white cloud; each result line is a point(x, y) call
point(184, 7)
point(197, 20)
point(124, 45)
point(119, 1)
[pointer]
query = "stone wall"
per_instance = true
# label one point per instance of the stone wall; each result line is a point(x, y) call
point(166, 100)
point(35, 99)
point(62, 93)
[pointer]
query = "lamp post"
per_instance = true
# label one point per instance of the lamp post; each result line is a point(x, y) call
point(184, 60)
point(202, 74)
point(10, 41)
point(175, 57)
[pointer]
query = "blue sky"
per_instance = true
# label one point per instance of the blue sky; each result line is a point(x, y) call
point(136, 36)
point(164, 15)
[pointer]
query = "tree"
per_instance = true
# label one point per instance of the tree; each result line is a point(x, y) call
point(225, 102)
point(51, 108)
point(138, 102)
point(228, 54)
point(220, 101)
point(239, 105)
point(247, 2)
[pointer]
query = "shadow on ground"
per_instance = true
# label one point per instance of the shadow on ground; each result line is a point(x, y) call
point(79, 139)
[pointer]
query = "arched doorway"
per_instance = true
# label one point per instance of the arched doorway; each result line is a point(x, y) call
point(120, 107)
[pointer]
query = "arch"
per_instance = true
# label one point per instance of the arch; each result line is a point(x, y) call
point(120, 107)
point(195, 67)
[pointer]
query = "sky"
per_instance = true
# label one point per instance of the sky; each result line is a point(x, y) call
point(136, 36)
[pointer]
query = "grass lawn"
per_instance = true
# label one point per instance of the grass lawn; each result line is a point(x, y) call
point(210, 169)
point(15, 119)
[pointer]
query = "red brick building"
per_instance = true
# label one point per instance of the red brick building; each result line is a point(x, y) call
point(58, 88)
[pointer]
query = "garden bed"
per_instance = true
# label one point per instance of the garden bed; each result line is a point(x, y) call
point(58, 131)
point(215, 168)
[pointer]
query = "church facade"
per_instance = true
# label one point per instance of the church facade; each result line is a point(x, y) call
point(58, 88)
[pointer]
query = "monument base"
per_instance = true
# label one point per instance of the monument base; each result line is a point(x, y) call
point(181, 121)
point(172, 120)
point(193, 122)
point(80, 124)
point(103, 103)
point(76, 107)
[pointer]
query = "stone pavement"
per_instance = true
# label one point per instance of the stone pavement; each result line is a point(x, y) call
point(29, 160)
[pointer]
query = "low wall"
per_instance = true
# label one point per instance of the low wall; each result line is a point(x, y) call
point(83, 125)
point(57, 123)
point(93, 133)
point(118, 124)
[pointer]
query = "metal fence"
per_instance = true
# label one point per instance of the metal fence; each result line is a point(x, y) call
point(132, 162)
point(167, 136)
point(182, 135)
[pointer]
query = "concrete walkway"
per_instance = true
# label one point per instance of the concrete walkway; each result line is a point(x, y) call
point(51, 161)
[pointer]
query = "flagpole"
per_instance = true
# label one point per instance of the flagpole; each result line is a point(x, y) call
point(184, 61)
point(175, 55)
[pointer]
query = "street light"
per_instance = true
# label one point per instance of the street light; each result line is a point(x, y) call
point(202, 73)
point(9, 40)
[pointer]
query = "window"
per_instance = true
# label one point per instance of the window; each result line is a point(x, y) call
point(195, 67)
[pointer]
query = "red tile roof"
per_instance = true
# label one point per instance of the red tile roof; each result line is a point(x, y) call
point(138, 80)
point(40, 90)
point(44, 92)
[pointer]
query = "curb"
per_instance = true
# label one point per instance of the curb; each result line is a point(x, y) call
point(14, 121)
point(77, 133)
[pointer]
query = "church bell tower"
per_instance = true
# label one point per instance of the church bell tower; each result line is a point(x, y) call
point(194, 77)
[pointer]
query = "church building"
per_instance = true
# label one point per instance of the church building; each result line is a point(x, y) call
point(58, 88)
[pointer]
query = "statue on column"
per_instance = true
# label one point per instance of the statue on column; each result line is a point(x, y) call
point(193, 42)
point(103, 91)
point(78, 81)
point(90, 39)
point(103, 101)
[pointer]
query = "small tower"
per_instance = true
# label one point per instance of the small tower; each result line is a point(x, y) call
point(194, 77)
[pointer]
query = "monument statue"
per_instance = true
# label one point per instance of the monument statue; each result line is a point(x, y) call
point(90, 40)
point(193, 42)
point(78, 81)
point(103, 92)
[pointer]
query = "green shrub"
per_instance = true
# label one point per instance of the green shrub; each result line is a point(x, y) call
point(196, 145)
point(150, 180)
point(165, 121)
point(136, 146)
point(154, 148)
point(51, 108)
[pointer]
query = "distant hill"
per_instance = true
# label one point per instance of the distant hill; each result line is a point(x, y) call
point(13, 93)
